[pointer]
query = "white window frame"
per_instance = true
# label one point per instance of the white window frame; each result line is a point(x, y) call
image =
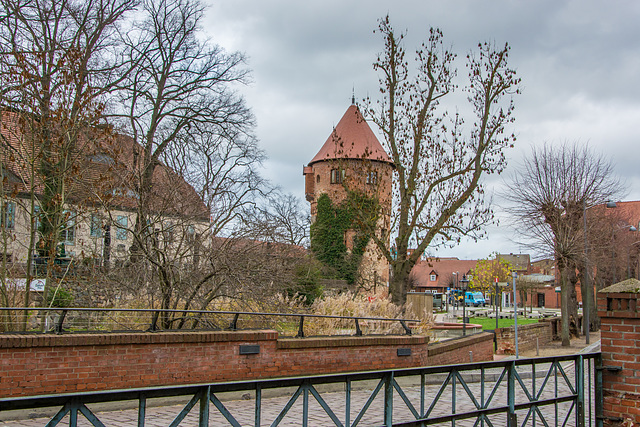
point(95, 225)
point(68, 232)
point(122, 222)
point(8, 219)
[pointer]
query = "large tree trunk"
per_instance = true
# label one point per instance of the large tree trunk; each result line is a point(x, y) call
point(564, 309)
point(400, 281)
point(572, 280)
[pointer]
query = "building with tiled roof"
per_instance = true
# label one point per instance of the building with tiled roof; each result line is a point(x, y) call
point(438, 274)
point(101, 197)
point(352, 158)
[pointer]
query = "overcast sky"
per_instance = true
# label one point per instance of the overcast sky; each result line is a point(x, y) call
point(579, 62)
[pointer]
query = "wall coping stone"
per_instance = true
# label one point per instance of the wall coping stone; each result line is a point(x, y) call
point(64, 340)
point(350, 341)
point(631, 285)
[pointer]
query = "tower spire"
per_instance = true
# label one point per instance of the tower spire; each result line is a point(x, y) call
point(353, 95)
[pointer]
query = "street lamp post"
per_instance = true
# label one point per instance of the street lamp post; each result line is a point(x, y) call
point(455, 287)
point(464, 282)
point(495, 301)
point(515, 310)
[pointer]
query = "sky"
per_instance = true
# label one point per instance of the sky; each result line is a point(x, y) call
point(579, 62)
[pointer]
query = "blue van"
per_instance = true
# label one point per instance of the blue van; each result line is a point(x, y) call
point(475, 299)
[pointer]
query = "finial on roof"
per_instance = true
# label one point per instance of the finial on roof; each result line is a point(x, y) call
point(353, 95)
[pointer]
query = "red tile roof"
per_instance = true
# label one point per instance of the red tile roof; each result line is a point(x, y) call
point(443, 268)
point(352, 138)
point(105, 171)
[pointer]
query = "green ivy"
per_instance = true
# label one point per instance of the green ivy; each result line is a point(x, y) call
point(359, 213)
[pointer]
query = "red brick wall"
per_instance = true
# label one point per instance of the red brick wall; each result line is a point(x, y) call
point(455, 352)
point(527, 335)
point(33, 365)
point(620, 346)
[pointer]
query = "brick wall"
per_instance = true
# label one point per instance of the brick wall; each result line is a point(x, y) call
point(527, 336)
point(620, 346)
point(45, 364)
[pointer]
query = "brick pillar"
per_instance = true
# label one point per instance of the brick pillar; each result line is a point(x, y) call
point(618, 308)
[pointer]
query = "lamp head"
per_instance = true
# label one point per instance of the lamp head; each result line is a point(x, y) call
point(464, 281)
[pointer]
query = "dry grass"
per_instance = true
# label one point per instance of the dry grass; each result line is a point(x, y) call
point(357, 305)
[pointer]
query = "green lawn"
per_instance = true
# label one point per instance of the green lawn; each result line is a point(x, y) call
point(488, 323)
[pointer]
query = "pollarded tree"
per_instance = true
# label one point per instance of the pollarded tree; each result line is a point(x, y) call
point(438, 193)
point(548, 196)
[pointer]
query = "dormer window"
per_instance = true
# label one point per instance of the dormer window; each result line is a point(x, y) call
point(432, 277)
point(337, 176)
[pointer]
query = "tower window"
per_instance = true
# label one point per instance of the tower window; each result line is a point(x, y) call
point(372, 177)
point(337, 176)
point(318, 179)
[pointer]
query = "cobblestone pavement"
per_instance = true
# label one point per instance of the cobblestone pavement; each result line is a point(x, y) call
point(244, 410)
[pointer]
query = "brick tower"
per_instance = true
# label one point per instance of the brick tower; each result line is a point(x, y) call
point(353, 158)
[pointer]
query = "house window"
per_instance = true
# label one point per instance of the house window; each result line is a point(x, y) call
point(191, 234)
point(95, 226)
point(372, 177)
point(432, 277)
point(121, 227)
point(68, 232)
point(169, 232)
point(337, 176)
point(8, 215)
point(37, 215)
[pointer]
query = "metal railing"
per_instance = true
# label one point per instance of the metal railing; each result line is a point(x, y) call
point(67, 320)
point(560, 391)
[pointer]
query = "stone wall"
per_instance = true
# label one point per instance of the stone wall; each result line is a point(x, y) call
point(46, 364)
point(528, 335)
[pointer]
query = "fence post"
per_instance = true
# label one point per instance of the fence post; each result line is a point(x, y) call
point(580, 389)
point(301, 328)
point(599, 395)
point(512, 419)
point(388, 400)
point(205, 395)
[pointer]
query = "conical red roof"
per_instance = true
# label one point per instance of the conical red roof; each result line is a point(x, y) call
point(352, 138)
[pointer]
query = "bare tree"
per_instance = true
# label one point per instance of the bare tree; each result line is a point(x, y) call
point(549, 194)
point(279, 219)
point(180, 84)
point(437, 186)
point(54, 71)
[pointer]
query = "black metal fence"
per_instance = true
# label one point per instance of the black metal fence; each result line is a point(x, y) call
point(69, 320)
point(559, 391)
